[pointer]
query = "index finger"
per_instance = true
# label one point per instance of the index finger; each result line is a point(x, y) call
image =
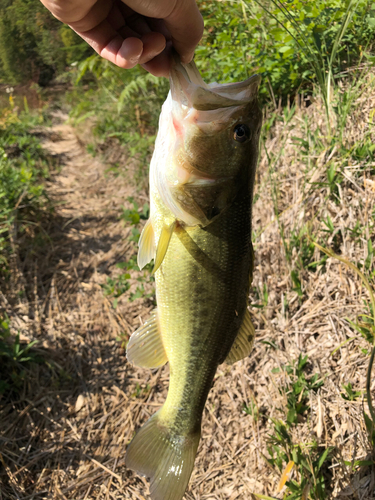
point(185, 24)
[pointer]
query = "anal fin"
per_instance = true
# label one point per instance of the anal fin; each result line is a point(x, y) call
point(145, 347)
point(244, 341)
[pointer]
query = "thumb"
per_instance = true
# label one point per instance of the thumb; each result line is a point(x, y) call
point(181, 17)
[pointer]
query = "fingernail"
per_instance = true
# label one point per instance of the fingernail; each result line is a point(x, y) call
point(187, 58)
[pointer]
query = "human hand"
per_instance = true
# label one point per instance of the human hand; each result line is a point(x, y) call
point(132, 32)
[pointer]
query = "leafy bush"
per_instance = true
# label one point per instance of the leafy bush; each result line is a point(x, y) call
point(34, 45)
point(282, 40)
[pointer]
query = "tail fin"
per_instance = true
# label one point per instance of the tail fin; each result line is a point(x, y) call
point(165, 458)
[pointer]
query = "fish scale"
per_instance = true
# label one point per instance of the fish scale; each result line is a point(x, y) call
point(198, 329)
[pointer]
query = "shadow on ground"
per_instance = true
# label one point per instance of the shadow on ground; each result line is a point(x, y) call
point(64, 419)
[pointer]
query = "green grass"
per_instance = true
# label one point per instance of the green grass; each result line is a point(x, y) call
point(292, 45)
point(15, 359)
point(311, 463)
point(310, 459)
point(24, 167)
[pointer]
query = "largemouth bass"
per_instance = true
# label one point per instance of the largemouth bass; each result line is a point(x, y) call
point(199, 233)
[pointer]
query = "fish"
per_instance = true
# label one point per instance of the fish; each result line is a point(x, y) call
point(199, 234)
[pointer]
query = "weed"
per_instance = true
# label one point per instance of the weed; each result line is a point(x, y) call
point(297, 390)
point(349, 394)
point(252, 409)
point(309, 460)
point(14, 358)
point(140, 293)
point(329, 225)
point(363, 151)
point(370, 256)
point(123, 338)
point(141, 391)
point(300, 251)
point(117, 286)
point(261, 294)
point(334, 178)
point(370, 427)
point(297, 283)
point(270, 344)
point(90, 148)
point(134, 216)
point(303, 248)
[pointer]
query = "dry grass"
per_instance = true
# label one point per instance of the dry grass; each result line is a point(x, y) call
point(64, 436)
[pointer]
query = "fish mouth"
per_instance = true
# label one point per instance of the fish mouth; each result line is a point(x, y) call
point(188, 89)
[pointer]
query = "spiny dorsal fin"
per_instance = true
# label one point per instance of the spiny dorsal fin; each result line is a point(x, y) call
point(165, 238)
point(244, 341)
point(146, 245)
point(145, 347)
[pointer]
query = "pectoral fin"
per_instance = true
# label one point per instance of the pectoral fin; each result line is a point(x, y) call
point(145, 347)
point(146, 244)
point(165, 238)
point(244, 341)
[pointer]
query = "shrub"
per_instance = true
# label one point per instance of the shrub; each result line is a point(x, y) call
point(281, 40)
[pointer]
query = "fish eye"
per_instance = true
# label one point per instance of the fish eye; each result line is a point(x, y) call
point(241, 133)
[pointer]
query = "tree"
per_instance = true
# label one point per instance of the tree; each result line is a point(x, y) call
point(34, 46)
